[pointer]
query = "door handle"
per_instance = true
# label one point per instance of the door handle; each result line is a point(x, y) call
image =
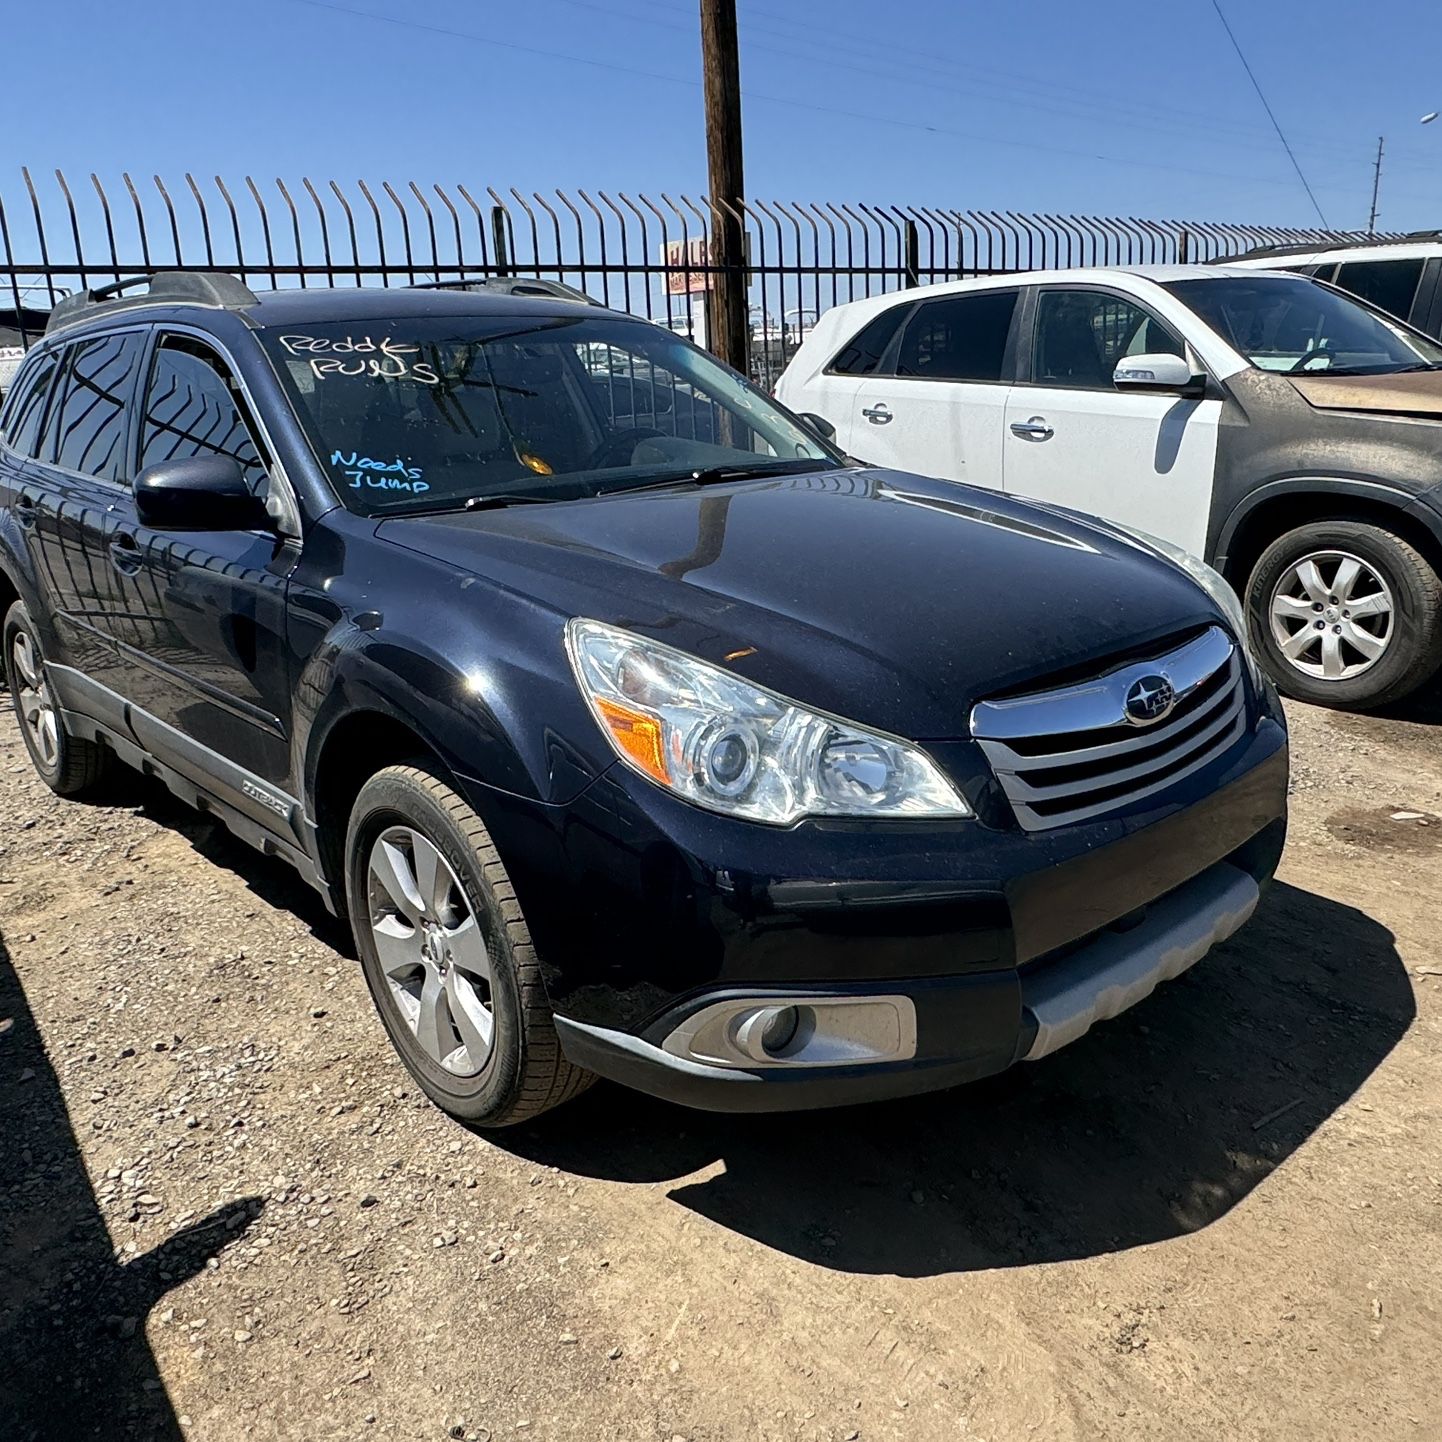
point(26, 511)
point(1035, 429)
point(125, 554)
point(878, 414)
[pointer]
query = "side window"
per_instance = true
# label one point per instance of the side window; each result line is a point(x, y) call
point(28, 409)
point(861, 355)
point(961, 338)
point(1390, 285)
point(191, 410)
point(89, 423)
point(1081, 334)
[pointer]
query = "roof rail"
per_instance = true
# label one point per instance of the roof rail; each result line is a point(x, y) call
point(195, 287)
point(1257, 252)
point(1322, 247)
point(514, 285)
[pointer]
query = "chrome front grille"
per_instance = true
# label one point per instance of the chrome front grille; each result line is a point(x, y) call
point(1075, 753)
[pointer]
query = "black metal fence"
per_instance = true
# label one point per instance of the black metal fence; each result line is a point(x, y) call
point(648, 256)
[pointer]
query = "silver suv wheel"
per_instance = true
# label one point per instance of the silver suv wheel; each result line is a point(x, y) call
point(37, 707)
point(1331, 615)
point(431, 950)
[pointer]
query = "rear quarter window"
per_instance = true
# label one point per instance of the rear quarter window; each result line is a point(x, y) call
point(863, 353)
point(91, 422)
point(1390, 285)
point(959, 337)
point(25, 407)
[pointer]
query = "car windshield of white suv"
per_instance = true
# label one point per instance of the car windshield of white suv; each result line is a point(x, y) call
point(416, 415)
point(1286, 323)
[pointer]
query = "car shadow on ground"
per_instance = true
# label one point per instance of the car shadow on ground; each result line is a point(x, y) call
point(273, 881)
point(73, 1350)
point(1152, 1126)
point(1423, 706)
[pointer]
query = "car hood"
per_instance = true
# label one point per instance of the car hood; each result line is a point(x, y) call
point(877, 595)
point(1415, 394)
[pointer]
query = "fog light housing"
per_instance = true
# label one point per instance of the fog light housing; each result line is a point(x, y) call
point(783, 1031)
point(766, 1034)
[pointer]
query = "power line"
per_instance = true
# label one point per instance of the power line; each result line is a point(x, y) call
point(870, 118)
point(998, 86)
point(1216, 5)
point(1014, 81)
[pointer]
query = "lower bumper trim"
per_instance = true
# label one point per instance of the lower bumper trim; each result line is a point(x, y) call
point(633, 1062)
point(1119, 969)
point(971, 1026)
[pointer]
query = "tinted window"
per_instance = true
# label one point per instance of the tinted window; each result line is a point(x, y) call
point(1390, 285)
point(862, 354)
point(191, 410)
point(961, 338)
point(419, 414)
point(29, 405)
point(1081, 334)
point(1282, 323)
point(89, 428)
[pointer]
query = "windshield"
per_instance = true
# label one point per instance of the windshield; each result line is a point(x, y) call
point(1286, 323)
point(433, 414)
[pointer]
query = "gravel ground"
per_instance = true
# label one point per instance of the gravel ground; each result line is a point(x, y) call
point(225, 1212)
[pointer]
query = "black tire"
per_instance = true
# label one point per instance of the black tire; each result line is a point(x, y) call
point(526, 1072)
point(1414, 649)
point(79, 768)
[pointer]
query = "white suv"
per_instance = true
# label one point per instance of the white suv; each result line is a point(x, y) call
point(1402, 277)
point(1287, 433)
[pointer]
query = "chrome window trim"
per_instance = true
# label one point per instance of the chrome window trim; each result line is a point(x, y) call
point(139, 328)
point(255, 416)
point(30, 358)
point(160, 329)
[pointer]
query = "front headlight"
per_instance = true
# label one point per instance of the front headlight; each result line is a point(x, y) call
point(721, 742)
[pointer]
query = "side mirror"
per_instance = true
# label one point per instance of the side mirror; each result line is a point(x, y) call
point(198, 493)
point(819, 424)
point(1157, 373)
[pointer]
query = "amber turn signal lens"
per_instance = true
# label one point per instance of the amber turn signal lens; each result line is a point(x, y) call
point(638, 735)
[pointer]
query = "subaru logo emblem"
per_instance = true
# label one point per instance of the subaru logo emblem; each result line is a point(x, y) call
point(1148, 699)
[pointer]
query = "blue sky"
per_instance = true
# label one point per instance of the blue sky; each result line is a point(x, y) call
point(1115, 106)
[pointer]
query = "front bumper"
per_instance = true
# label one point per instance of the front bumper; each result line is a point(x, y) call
point(978, 1025)
point(1005, 945)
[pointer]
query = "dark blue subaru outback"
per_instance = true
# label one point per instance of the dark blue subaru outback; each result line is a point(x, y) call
point(638, 732)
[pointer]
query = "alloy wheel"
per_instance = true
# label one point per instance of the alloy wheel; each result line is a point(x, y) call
point(37, 706)
point(1332, 615)
point(431, 950)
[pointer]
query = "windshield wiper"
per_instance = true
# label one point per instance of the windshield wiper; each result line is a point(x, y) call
point(495, 502)
point(718, 475)
point(1401, 370)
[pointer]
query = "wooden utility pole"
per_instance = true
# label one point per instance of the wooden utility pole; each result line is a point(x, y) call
point(728, 329)
point(1376, 186)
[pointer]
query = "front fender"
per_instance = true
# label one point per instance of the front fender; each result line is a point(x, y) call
point(1360, 487)
point(479, 720)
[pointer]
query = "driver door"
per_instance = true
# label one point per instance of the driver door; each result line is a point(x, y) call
point(1146, 460)
point(201, 616)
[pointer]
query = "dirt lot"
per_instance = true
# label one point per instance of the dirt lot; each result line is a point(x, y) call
point(224, 1212)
